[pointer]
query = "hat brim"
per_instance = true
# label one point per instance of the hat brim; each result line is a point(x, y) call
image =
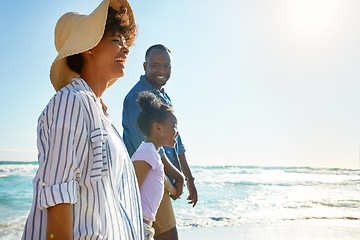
point(87, 33)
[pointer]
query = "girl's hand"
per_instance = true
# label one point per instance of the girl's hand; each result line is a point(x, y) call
point(168, 186)
point(179, 185)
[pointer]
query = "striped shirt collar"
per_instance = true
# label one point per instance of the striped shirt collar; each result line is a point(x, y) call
point(80, 84)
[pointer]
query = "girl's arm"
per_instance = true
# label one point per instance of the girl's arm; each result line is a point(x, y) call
point(168, 186)
point(142, 168)
point(60, 222)
point(174, 173)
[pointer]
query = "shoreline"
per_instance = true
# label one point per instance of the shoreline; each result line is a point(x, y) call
point(305, 229)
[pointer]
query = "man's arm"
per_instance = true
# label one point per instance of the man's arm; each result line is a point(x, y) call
point(60, 222)
point(175, 174)
point(190, 180)
point(132, 135)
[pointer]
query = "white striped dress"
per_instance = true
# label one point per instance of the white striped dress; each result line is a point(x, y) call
point(83, 161)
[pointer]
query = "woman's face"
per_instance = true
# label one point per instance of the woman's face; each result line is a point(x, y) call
point(110, 55)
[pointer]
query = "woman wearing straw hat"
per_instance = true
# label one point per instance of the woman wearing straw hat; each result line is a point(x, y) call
point(85, 186)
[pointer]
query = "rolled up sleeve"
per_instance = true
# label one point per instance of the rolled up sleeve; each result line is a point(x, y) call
point(180, 146)
point(62, 145)
point(59, 193)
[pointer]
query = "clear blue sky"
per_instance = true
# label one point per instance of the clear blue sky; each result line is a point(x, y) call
point(254, 82)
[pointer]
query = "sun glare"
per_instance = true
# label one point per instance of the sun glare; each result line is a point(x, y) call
point(312, 15)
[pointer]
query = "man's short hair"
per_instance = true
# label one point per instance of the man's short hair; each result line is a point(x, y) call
point(156, 46)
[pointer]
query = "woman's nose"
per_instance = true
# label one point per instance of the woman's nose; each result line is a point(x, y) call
point(125, 49)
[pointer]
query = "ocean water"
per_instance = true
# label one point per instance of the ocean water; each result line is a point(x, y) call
point(235, 195)
point(228, 196)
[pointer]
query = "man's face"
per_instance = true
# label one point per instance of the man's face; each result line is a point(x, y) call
point(158, 67)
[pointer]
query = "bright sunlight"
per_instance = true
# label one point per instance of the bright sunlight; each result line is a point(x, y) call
point(312, 15)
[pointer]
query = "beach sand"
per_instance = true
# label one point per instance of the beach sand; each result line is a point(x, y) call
point(307, 229)
point(299, 230)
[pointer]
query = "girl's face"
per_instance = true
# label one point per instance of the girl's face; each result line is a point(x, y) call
point(110, 55)
point(169, 131)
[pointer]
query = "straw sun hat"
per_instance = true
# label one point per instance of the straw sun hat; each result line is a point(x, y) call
point(76, 33)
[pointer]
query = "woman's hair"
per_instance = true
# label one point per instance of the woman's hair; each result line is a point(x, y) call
point(117, 21)
point(153, 110)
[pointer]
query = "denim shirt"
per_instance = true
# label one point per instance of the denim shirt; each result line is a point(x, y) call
point(132, 135)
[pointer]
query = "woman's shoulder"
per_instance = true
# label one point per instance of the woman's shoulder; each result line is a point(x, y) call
point(78, 89)
point(67, 98)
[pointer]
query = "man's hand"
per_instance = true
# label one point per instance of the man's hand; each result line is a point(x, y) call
point(179, 185)
point(192, 198)
point(192, 193)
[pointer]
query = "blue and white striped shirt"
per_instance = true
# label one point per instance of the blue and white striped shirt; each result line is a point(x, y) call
point(83, 161)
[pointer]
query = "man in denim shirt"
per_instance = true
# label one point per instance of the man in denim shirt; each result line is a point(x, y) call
point(157, 68)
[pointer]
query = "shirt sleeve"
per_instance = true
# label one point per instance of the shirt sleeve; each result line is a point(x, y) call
point(161, 152)
point(132, 135)
point(62, 144)
point(180, 145)
point(147, 155)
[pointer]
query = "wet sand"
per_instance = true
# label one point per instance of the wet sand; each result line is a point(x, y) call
point(306, 229)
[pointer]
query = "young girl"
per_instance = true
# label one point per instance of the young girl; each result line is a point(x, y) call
point(158, 123)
